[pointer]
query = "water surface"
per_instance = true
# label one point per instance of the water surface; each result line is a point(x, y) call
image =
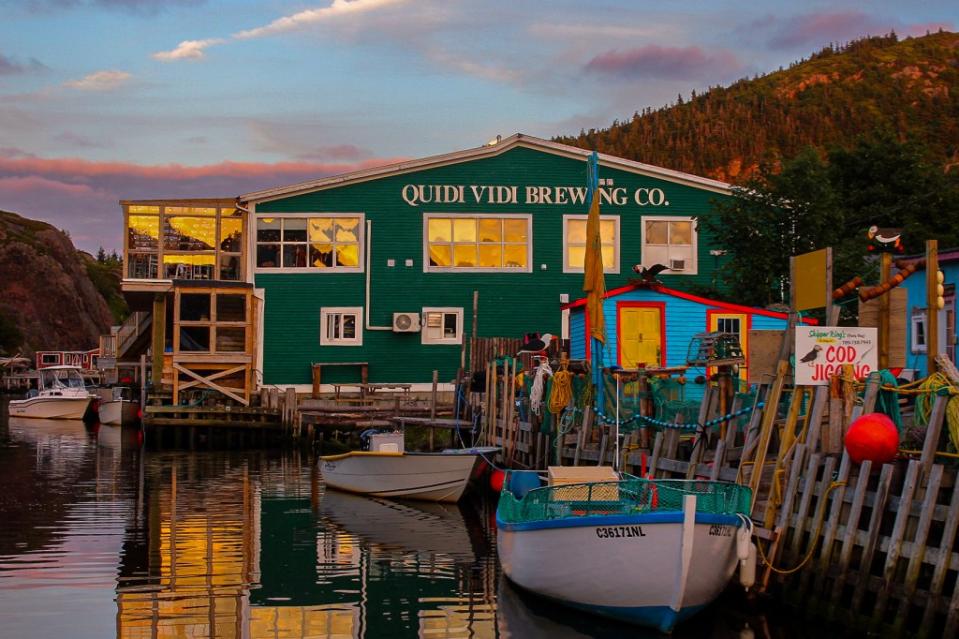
point(99, 538)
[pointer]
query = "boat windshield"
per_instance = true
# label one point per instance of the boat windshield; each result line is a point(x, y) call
point(62, 378)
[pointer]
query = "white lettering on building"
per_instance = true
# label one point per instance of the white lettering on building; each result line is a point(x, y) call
point(417, 194)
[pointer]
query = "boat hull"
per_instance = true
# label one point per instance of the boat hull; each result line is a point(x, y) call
point(630, 568)
point(118, 412)
point(50, 407)
point(426, 476)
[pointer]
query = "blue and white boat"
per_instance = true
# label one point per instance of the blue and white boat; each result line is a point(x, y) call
point(649, 552)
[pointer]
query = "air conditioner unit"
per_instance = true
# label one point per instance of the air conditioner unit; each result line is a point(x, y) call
point(406, 322)
point(677, 265)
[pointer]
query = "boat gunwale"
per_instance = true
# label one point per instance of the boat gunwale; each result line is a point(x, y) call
point(660, 517)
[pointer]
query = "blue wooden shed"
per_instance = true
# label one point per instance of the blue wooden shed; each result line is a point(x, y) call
point(652, 325)
point(917, 312)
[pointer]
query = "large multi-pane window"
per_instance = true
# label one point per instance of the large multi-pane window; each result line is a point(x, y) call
point(574, 247)
point(211, 322)
point(313, 242)
point(477, 242)
point(670, 241)
point(184, 242)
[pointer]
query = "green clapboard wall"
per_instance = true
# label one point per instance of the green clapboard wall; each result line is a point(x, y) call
point(510, 304)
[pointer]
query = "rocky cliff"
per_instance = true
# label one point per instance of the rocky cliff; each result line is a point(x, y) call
point(45, 289)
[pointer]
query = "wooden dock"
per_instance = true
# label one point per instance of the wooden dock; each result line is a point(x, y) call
point(874, 548)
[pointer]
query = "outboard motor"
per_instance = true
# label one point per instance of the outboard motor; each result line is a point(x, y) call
point(365, 437)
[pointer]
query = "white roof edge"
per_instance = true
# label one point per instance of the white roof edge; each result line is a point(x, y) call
point(487, 150)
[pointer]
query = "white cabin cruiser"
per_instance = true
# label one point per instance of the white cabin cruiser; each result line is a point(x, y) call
point(61, 394)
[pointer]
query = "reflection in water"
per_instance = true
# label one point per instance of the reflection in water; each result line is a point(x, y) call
point(100, 539)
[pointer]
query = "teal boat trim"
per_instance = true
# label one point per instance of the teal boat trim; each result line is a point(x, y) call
point(670, 517)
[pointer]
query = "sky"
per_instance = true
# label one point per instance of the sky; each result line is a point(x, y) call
point(102, 100)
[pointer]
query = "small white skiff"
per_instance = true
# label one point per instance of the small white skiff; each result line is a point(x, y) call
point(121, 409)
point(61, 394)
point(388, 471)
point(649, 552)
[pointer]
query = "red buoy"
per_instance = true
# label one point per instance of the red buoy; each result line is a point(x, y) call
point(496, 479)
point(873, 437)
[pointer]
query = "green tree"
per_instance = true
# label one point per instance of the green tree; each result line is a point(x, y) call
point(775, 215)
point(888, 183)
point(811, 203)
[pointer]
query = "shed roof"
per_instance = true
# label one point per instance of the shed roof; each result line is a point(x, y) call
point(659, 288)
point(487, 150)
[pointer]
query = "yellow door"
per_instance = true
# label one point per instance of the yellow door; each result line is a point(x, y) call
point(640, 336)
point(736, 324)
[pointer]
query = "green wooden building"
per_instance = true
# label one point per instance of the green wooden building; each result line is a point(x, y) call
point(380, 266)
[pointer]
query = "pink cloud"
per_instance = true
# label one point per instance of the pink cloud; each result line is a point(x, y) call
point(654, 61)
point(922, 28)
point(82, 196)
point(818, 29)
point(32, 183)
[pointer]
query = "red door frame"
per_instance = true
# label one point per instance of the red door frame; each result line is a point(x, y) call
point(662, 328)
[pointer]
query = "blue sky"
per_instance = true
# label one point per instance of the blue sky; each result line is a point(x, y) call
point(109, 99)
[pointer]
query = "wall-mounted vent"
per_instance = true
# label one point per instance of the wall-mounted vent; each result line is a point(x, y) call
point(677, 265)
point(406, 322)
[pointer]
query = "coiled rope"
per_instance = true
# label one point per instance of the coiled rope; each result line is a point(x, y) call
point(815, 538)
point(562, 392)
point(539, 384)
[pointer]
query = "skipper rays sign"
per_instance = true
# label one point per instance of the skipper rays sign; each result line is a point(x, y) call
point(821, 352)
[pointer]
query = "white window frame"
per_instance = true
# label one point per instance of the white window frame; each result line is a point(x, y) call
point(694, 270)
point(607, 268)
point(426, 339)
point(308, 269)
point(328, 311)
point(917, 318)
point(461, 269)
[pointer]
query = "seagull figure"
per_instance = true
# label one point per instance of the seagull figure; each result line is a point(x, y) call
point(536, 345)
point(809, 357)
point(885, 239)
point(649, 274)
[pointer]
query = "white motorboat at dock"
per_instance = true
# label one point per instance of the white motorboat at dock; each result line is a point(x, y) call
point(386, 470)
point(61, 394)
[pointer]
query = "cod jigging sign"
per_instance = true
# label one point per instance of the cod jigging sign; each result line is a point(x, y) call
point(821, 351)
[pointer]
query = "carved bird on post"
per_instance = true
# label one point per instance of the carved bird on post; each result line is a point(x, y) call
point(648, 275)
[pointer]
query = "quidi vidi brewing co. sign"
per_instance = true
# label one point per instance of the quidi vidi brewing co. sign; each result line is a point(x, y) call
point(821, 351)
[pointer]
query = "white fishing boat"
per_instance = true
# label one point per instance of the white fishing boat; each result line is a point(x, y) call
point(120, 409)
point(386, 470)
point(648, 552)
point(61, 394)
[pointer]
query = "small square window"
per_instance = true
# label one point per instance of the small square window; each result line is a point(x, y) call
point(341, 326)
point(442, 326)
point(574, 246)
point(672, 242)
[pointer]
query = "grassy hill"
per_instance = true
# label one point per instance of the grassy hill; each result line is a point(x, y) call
point(908, 87)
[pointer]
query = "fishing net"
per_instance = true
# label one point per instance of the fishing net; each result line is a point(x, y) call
point(669, 399)
point(629, 496)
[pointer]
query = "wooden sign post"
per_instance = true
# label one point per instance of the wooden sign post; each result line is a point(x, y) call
point(932, 305)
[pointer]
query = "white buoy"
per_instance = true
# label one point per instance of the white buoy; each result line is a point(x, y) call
point(743, 536)
point(747, 568)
